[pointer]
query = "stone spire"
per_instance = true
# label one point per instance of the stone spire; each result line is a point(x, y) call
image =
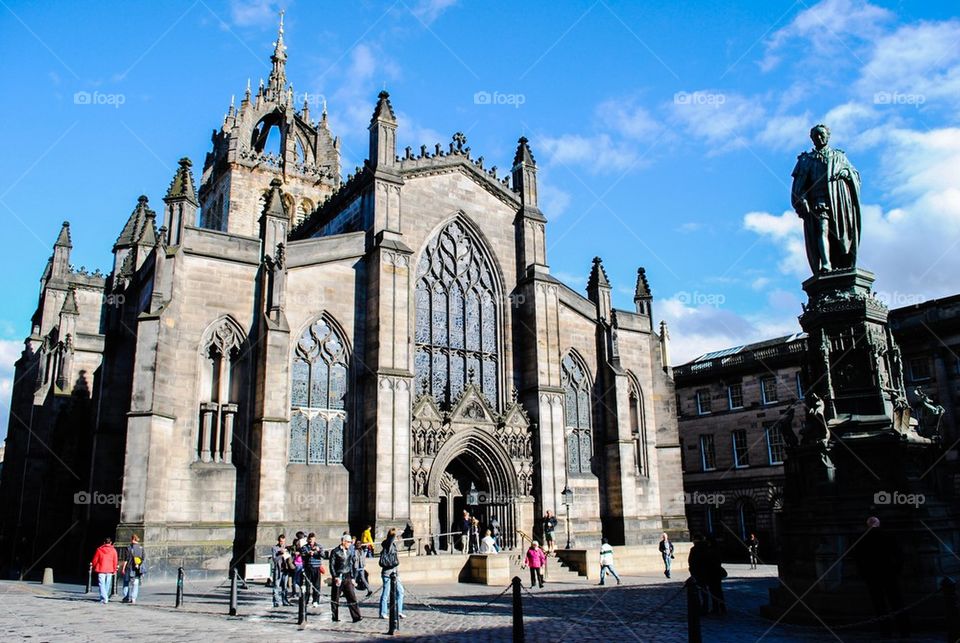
point(641, 294)
point(383, 134)
point(63, 239)
point(525, 174)
point(277, 82)
point(598, 289)
point(60, 262)
point(181, 203)
point(134, 227)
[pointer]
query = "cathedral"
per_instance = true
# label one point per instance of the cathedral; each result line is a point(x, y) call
point(282, 349)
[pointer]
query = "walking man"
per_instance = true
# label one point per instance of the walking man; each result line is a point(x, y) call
point(278, 555)
point(606, 562)
point(390, 564)
point(753, 549)
point(313, 565)
point(105, 566)
point(132, 570)
point(666, 551)
point(465, 523)
point(341, 570)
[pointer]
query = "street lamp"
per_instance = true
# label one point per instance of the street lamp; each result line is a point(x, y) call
point(567, 501)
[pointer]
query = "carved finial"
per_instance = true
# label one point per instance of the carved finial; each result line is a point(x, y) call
point(471, 375)
point(460, 139)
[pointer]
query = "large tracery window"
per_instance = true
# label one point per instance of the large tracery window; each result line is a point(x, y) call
point(318, 396)
point(576, 386)
point(456, 308)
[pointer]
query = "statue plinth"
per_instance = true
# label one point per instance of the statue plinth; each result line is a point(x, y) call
point(860, 455)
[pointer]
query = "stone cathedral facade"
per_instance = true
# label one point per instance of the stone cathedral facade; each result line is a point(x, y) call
point(280, 350)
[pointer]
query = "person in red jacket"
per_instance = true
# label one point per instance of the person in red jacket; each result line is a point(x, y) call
point(535, 560)
point(105, 566)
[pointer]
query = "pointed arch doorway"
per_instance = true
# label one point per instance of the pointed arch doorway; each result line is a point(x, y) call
point(472, 473)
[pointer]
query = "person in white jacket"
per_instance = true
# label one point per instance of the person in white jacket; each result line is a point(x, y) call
point(606, 562)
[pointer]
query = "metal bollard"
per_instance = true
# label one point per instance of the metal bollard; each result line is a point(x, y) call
point(951, 616)
point(693, 612)
point(302, 607)
point(179, 587)
point(89, 578)
point(518, 634)
point(394, 612)
point(233, 592)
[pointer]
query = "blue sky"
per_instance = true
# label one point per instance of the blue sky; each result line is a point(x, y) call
point(665, 135)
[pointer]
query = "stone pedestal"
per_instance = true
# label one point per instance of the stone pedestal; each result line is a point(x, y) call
point(859, 456)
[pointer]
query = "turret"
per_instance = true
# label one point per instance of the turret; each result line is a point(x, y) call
point(181, 203)
point(525, 174)
point(383, 135)
point(60, 263)
point(598, 290)
point(127, 257)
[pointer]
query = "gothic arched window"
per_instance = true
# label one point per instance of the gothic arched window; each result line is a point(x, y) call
point(222, 383)
point(577, 415)
point(638, 430)
point(456, 326)
point(318, 396)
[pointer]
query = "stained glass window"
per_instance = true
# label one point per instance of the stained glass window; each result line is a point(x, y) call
point(577, 416)
point(456, 327)
point(318, 396)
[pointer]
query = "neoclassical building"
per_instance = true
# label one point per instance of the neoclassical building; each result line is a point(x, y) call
point(283, 350)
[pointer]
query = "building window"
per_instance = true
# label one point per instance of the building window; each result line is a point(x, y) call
point(222, 377)
point(768, 389)
point(638, 430)
point(919, 369)
point(318, 396)
point(703, 401)
point(746, 518)
point(683, 457)
point(735, 396)
point(800, 395)
point(776, 448)
point(708, 454)
point(741, 450)
point(577, 412)
point(680, 406)
point(456, 323)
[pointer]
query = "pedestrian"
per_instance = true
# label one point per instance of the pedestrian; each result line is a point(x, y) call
point(753, 550)
point(715, 575)
point(495, 530)
point(366, 538)
point(488, 545)
point(360, 575)
point(474, 535)
point(465, 532)
point(105, 566)
point(535, 560)
point(313, 555)
point(341, 571)
point(549, 524)
point(408, 537)
point(606, 562)
point(390, 568)
point(698, 564)
point(132, 570)
point(279, 556)
point(879, 560)
point(666, 551)
point(298, 562)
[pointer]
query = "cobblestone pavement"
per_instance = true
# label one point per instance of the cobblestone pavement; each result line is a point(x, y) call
point(642, 609)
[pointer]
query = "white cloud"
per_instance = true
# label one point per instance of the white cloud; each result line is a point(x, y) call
point(430, 10)
point(720, 120)
point(553, 201)
point(628, 118)
point(832, 28)
point(783, 132)
point(255, 13)
point(595, 153)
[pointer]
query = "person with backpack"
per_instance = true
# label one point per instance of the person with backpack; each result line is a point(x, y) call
point(132, 570)
point(606, 562)
point(105, 566)
point(389, 565)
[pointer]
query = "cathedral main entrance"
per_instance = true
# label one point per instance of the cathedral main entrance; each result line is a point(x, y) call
point(467, 486)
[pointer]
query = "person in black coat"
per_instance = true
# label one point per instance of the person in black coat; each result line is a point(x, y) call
point(879, 561)
point(715, 573)
point(698, 563)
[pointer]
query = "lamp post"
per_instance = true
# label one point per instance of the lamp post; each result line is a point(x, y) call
point(567, 501)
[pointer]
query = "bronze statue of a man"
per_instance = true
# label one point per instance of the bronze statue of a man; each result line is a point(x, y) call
point(826, 195)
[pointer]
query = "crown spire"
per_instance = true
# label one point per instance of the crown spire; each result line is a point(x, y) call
point(278, 75)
